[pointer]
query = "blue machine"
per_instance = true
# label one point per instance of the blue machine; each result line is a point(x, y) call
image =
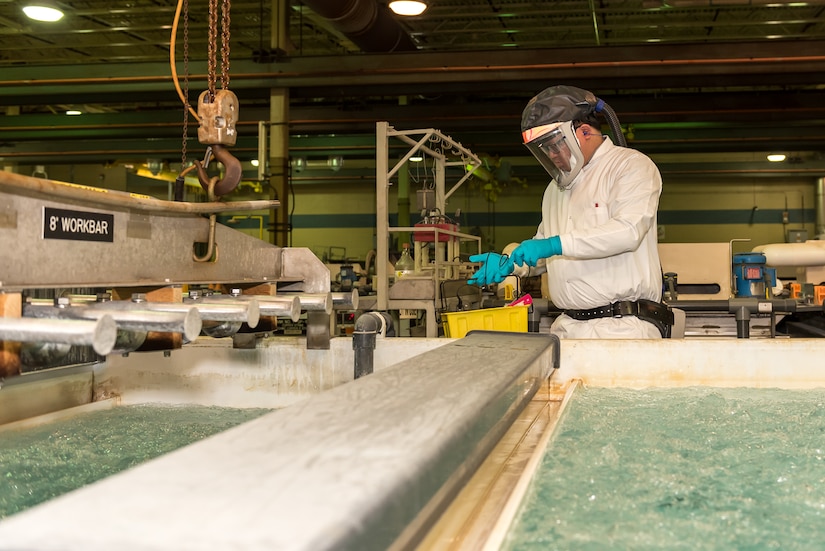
point(751, 275)
point(348, 277)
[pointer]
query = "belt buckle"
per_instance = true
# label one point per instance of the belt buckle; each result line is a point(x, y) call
point(624, 308)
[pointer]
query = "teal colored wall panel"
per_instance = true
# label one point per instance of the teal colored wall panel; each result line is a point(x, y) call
point(531, 219)
point(735, 216)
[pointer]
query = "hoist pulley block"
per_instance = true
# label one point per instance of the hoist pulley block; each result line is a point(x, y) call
point(217, 117)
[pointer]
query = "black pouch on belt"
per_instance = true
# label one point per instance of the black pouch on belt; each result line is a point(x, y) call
point(656, 313)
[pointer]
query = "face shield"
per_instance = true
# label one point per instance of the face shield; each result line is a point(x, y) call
point(556, 147)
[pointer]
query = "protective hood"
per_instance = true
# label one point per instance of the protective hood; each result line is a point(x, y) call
point(547, 129)
point(560, 104)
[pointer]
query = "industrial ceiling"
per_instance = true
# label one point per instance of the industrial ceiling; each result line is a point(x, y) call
point(702, 86)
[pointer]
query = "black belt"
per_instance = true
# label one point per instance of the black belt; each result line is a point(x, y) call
point(647, 310)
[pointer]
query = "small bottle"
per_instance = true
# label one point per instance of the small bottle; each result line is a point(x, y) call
point(405, 265)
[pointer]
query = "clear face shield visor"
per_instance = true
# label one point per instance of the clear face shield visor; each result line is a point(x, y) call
point(556, 147)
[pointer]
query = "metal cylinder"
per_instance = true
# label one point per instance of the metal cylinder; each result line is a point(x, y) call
point(243, 311)
point(247, 311)
point(135, 318)
point(345, 301)
point(100, 334)
point(281, 306)
point(315, 301)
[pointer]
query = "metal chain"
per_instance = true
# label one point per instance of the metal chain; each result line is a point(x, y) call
point(185, 82)
point(212, 44)
point(225, 45)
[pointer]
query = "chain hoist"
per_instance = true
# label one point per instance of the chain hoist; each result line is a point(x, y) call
point(217, 110)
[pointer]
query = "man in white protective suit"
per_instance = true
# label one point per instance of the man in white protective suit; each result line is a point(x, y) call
point(597, 237)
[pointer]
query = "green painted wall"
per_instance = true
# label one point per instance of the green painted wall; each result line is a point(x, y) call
point(708, 211)
point(722, 210)
point(338, 220)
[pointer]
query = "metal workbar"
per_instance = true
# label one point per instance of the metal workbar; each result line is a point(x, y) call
point(105, 197)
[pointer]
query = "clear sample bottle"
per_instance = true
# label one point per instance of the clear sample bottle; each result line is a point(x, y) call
point(405, 265)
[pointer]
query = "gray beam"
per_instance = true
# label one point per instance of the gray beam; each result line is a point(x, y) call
point(390, 451)
point(728, 62)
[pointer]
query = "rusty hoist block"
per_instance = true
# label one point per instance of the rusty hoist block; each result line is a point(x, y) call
point(218, 117)
point(217, 130)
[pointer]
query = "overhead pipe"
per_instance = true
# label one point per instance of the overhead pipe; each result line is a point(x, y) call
point(368, 24)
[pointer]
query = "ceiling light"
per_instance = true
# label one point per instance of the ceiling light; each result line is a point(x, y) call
point(776, 157)
point(408, 7)
point(42, 11)
point(72, 112)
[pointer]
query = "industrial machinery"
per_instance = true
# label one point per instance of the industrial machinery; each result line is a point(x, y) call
point(727, 294)
point(113, 271)
point(438, 242)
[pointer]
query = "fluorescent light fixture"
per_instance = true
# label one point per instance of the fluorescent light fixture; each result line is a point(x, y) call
point(73, 112)
point(776, 157)
point(42, 11)
point(408, 7)
point(416, 159)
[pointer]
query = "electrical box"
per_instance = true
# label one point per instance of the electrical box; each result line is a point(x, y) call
point(425, 199)
point(797, 236)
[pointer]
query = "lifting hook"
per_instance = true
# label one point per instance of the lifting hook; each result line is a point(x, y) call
point(232, 170)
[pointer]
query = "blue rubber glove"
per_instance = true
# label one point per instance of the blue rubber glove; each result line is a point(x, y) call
point(532, 250)
point(494, 268)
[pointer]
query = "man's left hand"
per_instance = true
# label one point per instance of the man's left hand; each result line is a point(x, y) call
point(533, 250)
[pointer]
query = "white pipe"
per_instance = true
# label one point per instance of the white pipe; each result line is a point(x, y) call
point(101, 334)
point(810, 253)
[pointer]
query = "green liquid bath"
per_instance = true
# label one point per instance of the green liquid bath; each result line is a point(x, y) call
point(43, 462)
point(692, 469)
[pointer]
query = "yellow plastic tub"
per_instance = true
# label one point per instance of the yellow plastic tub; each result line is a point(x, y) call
point(506, 318)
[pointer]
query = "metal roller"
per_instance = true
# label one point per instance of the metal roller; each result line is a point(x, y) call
point(345, 301)
point(138, 318)
point(313, 302)
point(100, 334)
point(246, 311)
point(281, 306)
point(237, 311)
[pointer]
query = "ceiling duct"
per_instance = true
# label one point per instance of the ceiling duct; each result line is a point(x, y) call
point(371, 26)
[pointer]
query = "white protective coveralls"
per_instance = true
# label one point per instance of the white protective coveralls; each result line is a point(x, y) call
point(606, 221)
